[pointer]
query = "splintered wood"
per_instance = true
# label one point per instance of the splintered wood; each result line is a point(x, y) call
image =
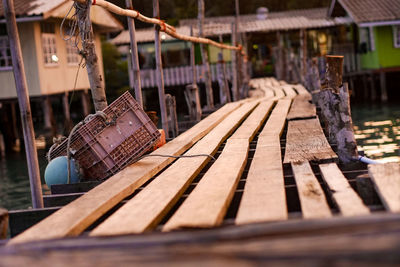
point(386, 179)
point(306, 142)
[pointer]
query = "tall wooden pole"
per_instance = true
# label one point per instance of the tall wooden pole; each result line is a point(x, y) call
point(134, 57)
point(303, 55)
point(193, 59)
point(159, 72)
point(204, 56)
point(92, 66)
point(24, 104)
point(235, 86)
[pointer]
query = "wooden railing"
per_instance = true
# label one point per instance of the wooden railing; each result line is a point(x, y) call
point(180, 75)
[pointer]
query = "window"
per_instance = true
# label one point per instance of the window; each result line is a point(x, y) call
point(367, 41)
point(72, 52)
point(49, 43)
point(396, 36)
point(5, 54)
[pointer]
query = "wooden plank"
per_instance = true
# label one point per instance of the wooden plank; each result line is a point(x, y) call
point(264, 196)
point(252, 124)
point(301, 90)
point(277, 119)
point(207, 204)
point(279, 93)
point(74, 218)
point(312, 198)
point(347, 200)
point(305, 141)
point(302, 108)
point(148, 207)
point(386, 179)
point(289, 91)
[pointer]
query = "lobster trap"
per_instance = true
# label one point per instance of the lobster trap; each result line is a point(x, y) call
point(104, 146)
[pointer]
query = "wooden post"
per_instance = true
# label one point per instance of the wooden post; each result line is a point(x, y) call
point(225, 96)
point(49, 120)
point(279, 57)
point(193, 101)
point(159, 72)
point(303, 55)
point(335, 107)
point(172, 117)
point(85, 102)
point(373, 89)
point(67, 113)
point(91, 61)
point(382, 78)
point(193, 60)
point(24, 104)
point(235, 83)
point(134, 57)
point(204, 56)
point(3, 223)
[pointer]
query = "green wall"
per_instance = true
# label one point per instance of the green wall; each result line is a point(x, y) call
point(385, 54)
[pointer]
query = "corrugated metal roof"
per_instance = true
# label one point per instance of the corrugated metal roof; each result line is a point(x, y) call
point(280, 21)
point(32, 7)
point(372, 10)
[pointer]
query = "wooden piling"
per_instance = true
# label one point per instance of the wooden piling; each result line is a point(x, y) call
point(85, 102)
point(172, 117)
point(382, 78)
point(225, 96)
point(92, 66)
point(67, 113)
point(3, 223)
point(204, 56)
point(134, 57)
point(24, 104)
point(334, 101)
point(303, 55)
point(193, 60)
point(235, 83)
point(49, 120)
point(159, 72)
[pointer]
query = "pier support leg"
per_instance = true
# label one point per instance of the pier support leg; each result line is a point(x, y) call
point(384, 96)
point(67, 114)
point(373, 89)
point(49, 120)
point(3, 223)
point(85, 102)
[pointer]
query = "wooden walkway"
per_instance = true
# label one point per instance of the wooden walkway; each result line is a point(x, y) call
point(273, 164)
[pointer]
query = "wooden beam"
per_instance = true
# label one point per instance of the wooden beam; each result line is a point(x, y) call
point(276, 121)
point(386, 179)
point(24, 104)
point(347, 200)
point(302, 108)
point(159, 72)
point(289, 91)
point(74, 218)
point(305, 141)
point(312, 198)
point(207, 204)
point(264, 197)
point(149, 206)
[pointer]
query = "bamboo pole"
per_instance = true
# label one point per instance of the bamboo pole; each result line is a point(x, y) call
point(159, 72)
point(91, 61)
point(24, 104)
point(204, 56)
point(134, 57)
point(168, 29)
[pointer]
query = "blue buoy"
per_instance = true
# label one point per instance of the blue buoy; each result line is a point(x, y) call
point(57, 173)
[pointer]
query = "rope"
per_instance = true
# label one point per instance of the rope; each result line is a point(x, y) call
point(168, 29)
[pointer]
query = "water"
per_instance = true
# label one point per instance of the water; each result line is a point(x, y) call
point(377, 130)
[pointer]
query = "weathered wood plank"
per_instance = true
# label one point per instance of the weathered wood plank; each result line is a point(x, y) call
point(264, 196)
point(289, 91)
point(207, 204)
point(279, 93)
point(252, 124)
point(302, 91)
point(277, 119)
point(347, 200)
point(148, 207)
point(302, 108)
point(306, 141)
point(312, 198)
point(74, 218)
point(386, 179)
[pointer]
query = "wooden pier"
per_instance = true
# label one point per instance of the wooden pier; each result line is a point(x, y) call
point(275, 192)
